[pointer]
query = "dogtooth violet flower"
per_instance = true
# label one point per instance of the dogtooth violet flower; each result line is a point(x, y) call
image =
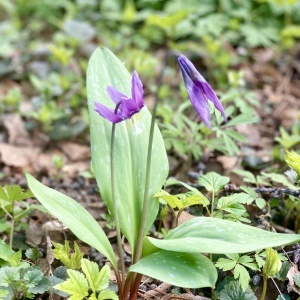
point(125, 107)
point(199, 91)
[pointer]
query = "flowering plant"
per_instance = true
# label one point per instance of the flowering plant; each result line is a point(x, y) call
point(127, 185)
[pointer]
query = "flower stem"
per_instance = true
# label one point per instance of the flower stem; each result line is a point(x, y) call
point(264, 291)
point(138, 250)
point(115, 210)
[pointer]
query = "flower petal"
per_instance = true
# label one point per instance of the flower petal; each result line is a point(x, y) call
point(187, 69)
point(107, 113)
point(127, 108)
point(211, 95)
point(137, 91)
point(114, 94)
point(200, 103)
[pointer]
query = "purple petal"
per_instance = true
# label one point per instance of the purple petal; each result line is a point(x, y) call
point(107, 113)
point(211, 95)
point(137, 91)
point(200, 104)
point(185, 67)
point(114, 94)
point(127, 108)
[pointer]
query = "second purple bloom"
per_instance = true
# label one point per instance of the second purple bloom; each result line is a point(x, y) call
point(199, 91)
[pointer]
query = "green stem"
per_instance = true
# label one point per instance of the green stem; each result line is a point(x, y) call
point(138, 250)
point(115, 211)
point(11, 235)
point(264, 291)
point(212, 203)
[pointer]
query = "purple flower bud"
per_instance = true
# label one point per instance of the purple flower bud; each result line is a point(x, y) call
point(127, 107)
point(199, 91)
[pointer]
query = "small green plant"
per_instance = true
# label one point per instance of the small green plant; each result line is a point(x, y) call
point(19, 279)
point(91, 283)
point(63, 253)
point(10, 102)
point(13, 208)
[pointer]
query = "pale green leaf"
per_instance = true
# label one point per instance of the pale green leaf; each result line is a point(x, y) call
point(259, 260)
point(97, 280)
point(131, 144)
point(213, 181)
point(212, 235)
point(281, 179)
point(225, 264)
point(249, 191)
point(242, 275)
point(3, 293)
point(194, 200)
point(190, 270)
point(272, 264)
point(260, 202)
point(8, 275)
point(245, 259)
point(107, 294)
point(76, 285)
point(73, 215)
point(70, 260)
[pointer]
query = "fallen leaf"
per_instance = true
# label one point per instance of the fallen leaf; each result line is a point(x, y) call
point(20, 157)
point(17, 134)
point(75, 152)
point(290, 275)
point(76, 168)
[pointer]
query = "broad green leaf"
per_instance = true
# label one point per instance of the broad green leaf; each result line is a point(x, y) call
point(76, 285)
point(190, 270)
point(212, 235)
point(131, 144)
point(213, 181)
point(107, 294)
point(234, 291)
point(97, 280)
point(73, 215)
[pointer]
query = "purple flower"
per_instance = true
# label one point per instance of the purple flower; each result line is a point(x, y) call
point(127, 107)
point(199, 91)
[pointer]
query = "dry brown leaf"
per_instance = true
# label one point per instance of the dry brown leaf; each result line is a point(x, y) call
point(75, 152)
point(34, 233)
point(228, 162)
point(20, 157)
point(290, 275)
point(251, 133)
point(184, 217)
point(74, 169)
point(17, 134)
